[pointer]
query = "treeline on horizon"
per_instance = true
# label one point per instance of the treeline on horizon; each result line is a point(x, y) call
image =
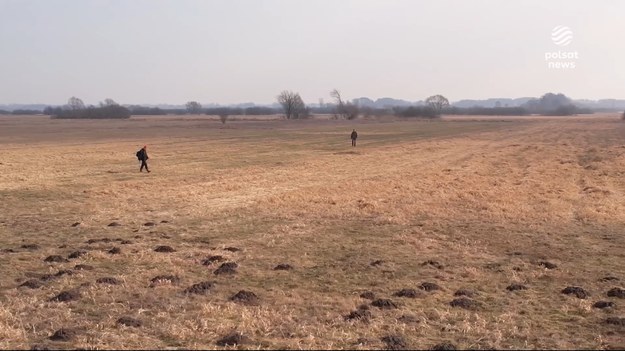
point(549, 104)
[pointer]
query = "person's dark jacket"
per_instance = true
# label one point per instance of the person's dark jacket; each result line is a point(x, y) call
point(354, 135)
point(143, 155)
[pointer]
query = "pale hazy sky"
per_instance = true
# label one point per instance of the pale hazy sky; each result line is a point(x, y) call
point(230, 51)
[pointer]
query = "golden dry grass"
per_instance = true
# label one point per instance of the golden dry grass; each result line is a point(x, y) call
point(488, 198)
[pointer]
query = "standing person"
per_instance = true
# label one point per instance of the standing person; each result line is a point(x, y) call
point(354, 136)
point(142, 155)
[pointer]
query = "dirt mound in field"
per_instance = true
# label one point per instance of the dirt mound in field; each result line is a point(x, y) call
point(465, 303)
point(64, 334)
point(578, 292)
point(617, 292)
point(245, 297)
point(548, 265)
point(76, 254)
point(64, 272)
point(408, 319)
point(369, 295)
point(603, 304)
point(429, 286)
point(620, 321)
point(32, 284)
point(395, 342)
point(465, 292)
point(55, 259)
point(199, 288)
point(359, 314)
point(227, 268)
point(608, 279)
point(66, 296)
point(384, 304)
point(443, 346)
point(516, 287)
point(233, 339)
point(164, 248)
point(83, 267)
point(433, 263)
point(212, 259)
point(129, 322)
point(108, 280)
point(283, 267)
point(164, 279)
point(410, 293)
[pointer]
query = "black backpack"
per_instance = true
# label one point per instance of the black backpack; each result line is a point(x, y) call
point(140, 154)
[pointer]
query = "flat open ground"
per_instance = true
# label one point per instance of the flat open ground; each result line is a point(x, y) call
point(467, 203)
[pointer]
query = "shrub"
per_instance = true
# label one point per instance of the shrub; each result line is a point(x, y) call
point(91, 112)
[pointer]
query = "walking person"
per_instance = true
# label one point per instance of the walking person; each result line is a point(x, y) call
point(142, 155)
point(354, 136)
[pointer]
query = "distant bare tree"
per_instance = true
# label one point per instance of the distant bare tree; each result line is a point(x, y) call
point(193, 107)
point(437, 102)
point(109, 102)
point(292, 104)
point(75, 104)
point(344, 109)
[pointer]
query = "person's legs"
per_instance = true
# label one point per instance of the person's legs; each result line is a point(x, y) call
point(143, 164)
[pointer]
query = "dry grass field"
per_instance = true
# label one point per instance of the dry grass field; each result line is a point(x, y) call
point(462, 231)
